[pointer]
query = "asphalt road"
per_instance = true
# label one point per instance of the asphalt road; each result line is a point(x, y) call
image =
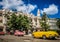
point(12, 38)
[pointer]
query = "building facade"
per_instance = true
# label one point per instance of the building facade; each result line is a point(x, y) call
point(52, 23)
point(1, 21)
point(35, 20)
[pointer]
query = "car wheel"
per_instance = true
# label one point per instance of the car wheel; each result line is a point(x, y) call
point(3, 34)
point(33, 36)
point(22, 35)
point(52, 37)
point(19, 35)
point(44, 37)
point(55, 37)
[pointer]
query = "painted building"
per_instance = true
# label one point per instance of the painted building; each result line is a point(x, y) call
point(1, 21)
point(35, 20)
point(52, 23)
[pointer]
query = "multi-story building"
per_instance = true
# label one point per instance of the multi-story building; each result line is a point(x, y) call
point(52, 23)
point(1, 21)
point(35, 20)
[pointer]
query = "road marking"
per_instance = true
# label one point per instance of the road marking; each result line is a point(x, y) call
point(27, 40)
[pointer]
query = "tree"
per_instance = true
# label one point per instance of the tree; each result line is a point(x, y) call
point(12, 22)
point(18, 22)
point(58, 22)
point(26, 22)
point(44, 24)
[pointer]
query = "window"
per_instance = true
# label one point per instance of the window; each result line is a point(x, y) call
point(1, 28)
point(0, 21)
point(36, 23)
point(0, 14)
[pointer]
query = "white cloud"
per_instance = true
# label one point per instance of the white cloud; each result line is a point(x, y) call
point(27, 8)
point(10, 3)
point(52, 9)
point(31, 7)
point(21, 8)
point(18, 5)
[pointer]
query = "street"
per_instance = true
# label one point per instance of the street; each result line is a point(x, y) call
point(12, 38)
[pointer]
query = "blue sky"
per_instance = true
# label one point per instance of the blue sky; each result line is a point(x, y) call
point(51, 7)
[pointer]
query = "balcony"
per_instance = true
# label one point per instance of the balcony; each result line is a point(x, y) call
point(1, 24)
point(1, 19)
point(1, 11)
point(52, 20)
point(52, 24)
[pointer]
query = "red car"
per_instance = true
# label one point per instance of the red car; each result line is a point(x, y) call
point(2, 33)
point(18, 33)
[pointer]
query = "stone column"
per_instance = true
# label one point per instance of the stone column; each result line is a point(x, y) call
point(38, 17)
point(4, 23)
point(4, 29)
point(33, 22)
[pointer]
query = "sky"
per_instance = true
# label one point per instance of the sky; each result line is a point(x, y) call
point(50, 7)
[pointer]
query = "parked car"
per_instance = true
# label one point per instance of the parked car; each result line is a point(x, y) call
point(45, 34)
point(18, 33)
point(2, 33)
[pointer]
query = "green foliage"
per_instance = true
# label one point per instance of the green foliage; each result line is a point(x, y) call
point(44, 17)
point(43, 23)
point(12, 22)
point(18, 22)
point(58, 23)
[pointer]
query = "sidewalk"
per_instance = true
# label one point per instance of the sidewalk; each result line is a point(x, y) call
point(28, 35)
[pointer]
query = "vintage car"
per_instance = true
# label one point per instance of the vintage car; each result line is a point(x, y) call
point(45, 34)
point(2, 33)
point(18, 33)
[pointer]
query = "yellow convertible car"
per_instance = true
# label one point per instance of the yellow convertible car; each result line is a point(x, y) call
point(45, 34)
